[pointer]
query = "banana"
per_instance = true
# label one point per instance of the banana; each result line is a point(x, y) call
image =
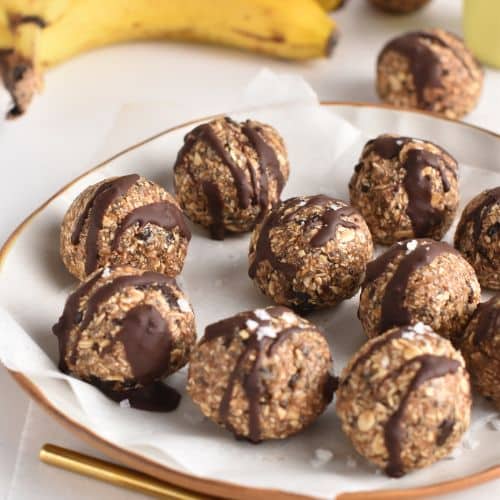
point(37, 34)
point(331, 4)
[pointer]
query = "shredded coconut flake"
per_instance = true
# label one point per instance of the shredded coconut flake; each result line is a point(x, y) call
point(184, 305)
point(262, 314)
point(251, 324)
point(106, 272)
point(266, 331)
point(411, 246)
point(125, 403)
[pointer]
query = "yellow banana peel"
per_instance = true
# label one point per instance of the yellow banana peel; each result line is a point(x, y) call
point(331, 4)
point(36, 34)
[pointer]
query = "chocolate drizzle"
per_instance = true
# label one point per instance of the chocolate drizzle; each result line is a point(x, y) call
point(249, 192)
point(163, 214)
point(424, 64)
point(423, 216)
point(268, 164)
point(94, 212)
point(247, 368)
point(475, 216)
point(144, 334)
point(393, 309)
point(488, 320)
point(330, 220)
point(431, 367)
point(215, 207)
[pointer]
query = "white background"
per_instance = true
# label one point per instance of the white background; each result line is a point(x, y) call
point(66, 132)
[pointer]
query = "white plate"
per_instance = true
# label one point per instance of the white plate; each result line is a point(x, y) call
point(181, 449)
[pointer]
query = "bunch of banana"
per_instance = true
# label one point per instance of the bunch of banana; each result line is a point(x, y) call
point(37, 34)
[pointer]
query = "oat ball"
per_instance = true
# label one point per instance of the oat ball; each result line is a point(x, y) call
point(404, 399)
point(430, 70)
point(481, 349)
point(124, 220)
point(478, 237)
point(399, 6)
point(228, 175)
point(262, 374)
point(124, 329)
point(419, 280)
point(310, 252)
point(405, 188)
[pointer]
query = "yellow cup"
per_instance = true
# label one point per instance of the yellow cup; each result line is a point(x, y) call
point(482, 30)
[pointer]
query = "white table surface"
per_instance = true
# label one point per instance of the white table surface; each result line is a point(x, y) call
point(64, 132)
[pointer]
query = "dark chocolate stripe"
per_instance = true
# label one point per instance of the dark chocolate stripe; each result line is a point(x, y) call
point(488, 320)
point(268, 165)
point(215, 208)
point(475, 216)
point(393, 309)
point(423, 216)
point(94, 213)
point(206, 133)
point(228, 328)
point(330, 219)
point(430, 367)
point(162, 214)
point(424, 64)
point(70, 317)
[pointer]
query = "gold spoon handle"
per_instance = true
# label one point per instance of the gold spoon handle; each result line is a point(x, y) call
point(111, 473)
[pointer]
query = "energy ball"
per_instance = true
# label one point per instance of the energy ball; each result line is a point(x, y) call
point(481, 349)
point(125, 220)
point(419, 280)
point(310, 252)
point(404, 399)
point(399, 6)
point(405, 188)
point(123, 330)
point(262, 374)
point(430, 70)
point(478, 237)
point(228, 175)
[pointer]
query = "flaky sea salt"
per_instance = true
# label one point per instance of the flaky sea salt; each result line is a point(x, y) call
point(262, 314)
point(469, 443)
point(266, 331)
point(184, 305)
point(321, 457)
point(494, 423)
point(193, 418)
point(420, 328)
point(251, 324)
point(457, 452)
point(411, 246)
point(288, 317)
point(124, 403)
